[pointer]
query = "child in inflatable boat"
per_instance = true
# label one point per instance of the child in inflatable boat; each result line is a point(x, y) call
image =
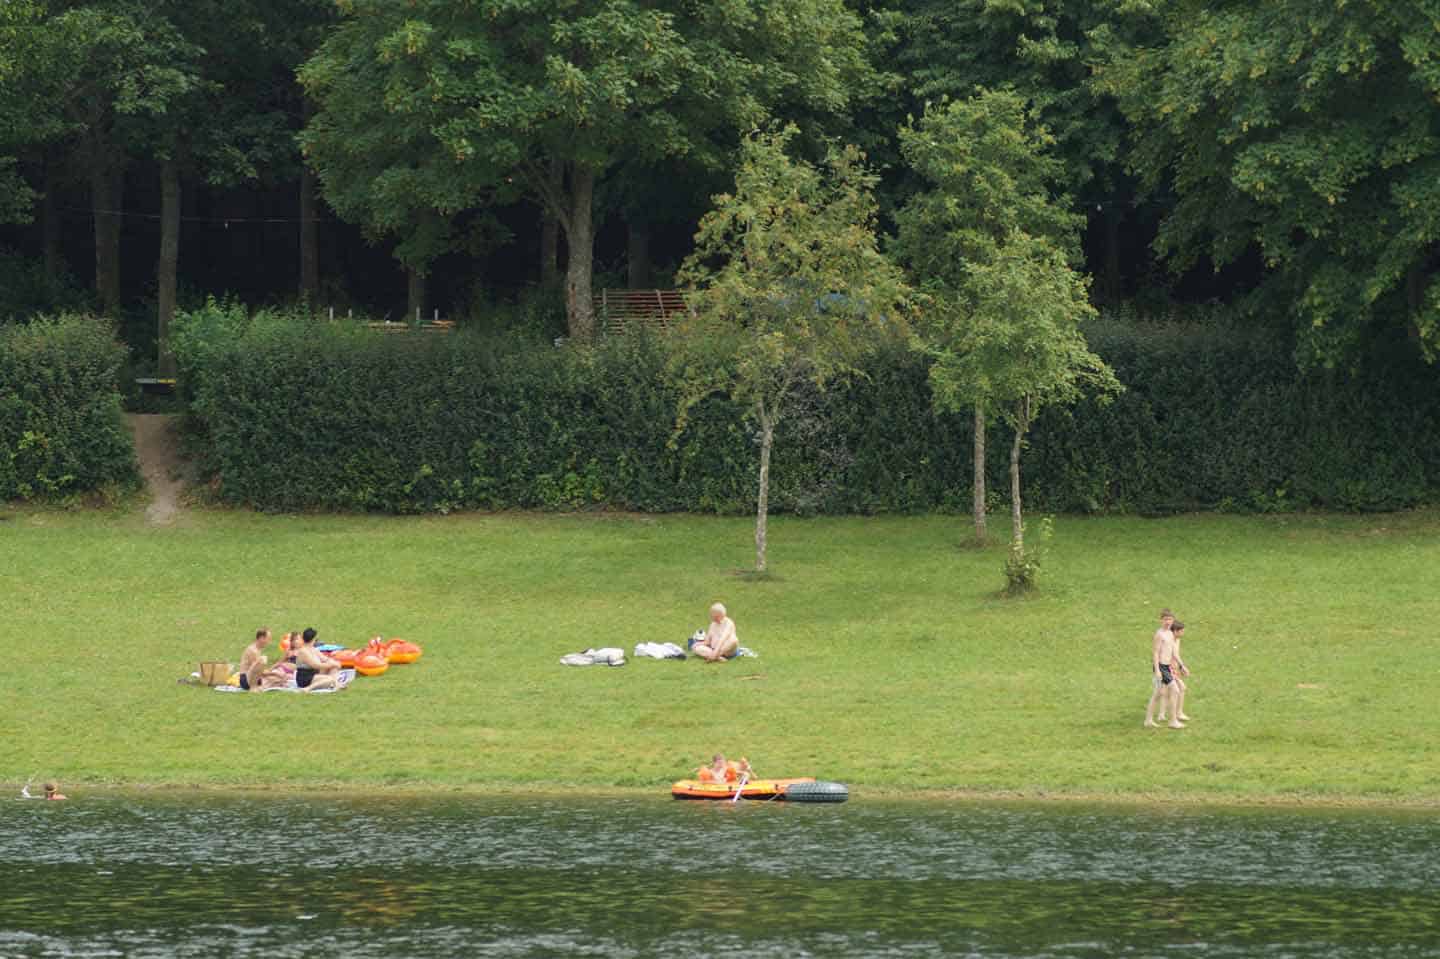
point(721, 771)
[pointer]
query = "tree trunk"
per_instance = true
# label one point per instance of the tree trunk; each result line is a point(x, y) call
point(1112, 286)
point(762, 500)
point(168, 267)
point(309, 240)
point(415, 294)
point(50, 226)
point(550, 230)
point(1017, 522)
point(579, 237)
point(106, 195)
point(978, 504)
point(549, 250)
point(637, 255)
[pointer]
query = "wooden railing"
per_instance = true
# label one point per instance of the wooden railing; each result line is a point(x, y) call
point(622, 310)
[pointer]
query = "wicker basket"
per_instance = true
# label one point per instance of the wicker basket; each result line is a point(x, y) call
point(214, 674)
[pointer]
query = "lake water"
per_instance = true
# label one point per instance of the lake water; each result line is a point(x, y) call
point(189, 875)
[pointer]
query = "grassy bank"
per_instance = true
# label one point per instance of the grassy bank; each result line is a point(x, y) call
point(886, 658)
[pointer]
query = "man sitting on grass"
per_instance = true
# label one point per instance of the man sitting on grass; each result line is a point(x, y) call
point(720, 641)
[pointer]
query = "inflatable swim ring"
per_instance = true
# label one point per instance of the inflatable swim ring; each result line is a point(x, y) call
point(401, 651)
point(346, 657)
point(370, 664)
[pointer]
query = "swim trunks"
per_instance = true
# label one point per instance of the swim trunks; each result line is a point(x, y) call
point(304, 676)
point(244, 681)
point(1165, 676)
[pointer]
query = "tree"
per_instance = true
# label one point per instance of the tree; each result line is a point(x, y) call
point(987, 175)
point(1305, 134)
point(491, 96)
point(788, 285)
point(1018, 347)
point(1043, 50)
point(992, 251)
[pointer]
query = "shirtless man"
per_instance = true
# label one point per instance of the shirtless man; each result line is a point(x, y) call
point(720, 641)
point(1178, 670)
point(252, 661)
point(1162, 657)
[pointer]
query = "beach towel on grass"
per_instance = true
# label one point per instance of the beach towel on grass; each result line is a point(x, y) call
point(342, 680)
point(606, 656)
point(659, 651)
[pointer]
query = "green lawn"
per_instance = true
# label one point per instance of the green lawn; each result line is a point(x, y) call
point(886, 658)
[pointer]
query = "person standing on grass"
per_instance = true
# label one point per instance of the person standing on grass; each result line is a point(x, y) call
point(1180, 670)
point(1162, 685)
point(720, 641)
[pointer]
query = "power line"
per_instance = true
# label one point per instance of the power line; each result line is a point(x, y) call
point(226, 220)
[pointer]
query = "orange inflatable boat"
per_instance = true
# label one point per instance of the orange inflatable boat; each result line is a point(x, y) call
point(803, 789)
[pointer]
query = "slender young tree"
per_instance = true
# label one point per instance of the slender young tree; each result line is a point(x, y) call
point(986, 173)
point(788, 285)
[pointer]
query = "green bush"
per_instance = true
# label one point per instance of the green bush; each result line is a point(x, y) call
point(61, 429)
point(25, 291)
point(299, 413)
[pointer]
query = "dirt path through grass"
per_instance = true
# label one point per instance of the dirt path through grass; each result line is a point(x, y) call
point(157, 446)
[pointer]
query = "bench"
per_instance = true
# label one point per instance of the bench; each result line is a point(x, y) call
point(429, 326)
point(155, 386)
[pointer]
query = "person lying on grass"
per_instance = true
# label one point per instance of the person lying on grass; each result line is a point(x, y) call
point(720, 641)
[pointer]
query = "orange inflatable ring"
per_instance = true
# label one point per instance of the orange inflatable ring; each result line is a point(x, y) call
point(401, 651)
point(346, 657)
point(370, 664)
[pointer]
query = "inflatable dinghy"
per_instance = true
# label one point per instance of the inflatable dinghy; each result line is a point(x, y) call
point(803, 789)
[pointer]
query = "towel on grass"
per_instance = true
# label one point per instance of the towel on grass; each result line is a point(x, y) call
point(659, 651)
point(606, 656)
point(342, 681)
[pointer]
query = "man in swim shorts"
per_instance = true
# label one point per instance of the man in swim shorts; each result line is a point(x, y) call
point(1179, 670)
point(1162, 686)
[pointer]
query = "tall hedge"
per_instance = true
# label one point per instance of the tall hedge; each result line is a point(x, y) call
point(301, 414)
point(61, 427)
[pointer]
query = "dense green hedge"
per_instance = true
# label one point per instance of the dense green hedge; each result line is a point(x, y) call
point(301, 414)
point(61, 429)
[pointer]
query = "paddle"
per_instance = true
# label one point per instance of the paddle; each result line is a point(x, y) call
point(740, 788)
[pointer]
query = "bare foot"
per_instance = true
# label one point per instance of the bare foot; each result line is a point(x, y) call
point(1183, 718)
point(1160, 718)
point(1150, 724)
point(1177, 725)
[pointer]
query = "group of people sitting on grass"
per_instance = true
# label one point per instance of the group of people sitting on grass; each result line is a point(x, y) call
point(311, 669)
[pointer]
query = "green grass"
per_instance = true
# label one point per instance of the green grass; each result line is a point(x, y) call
point(887, 659)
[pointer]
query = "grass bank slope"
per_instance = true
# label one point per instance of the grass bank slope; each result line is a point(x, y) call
point(886, 658)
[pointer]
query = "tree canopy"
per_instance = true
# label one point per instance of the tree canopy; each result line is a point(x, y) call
point(1307, 133)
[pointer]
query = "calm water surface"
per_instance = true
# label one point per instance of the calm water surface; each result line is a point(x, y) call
point(243, 876)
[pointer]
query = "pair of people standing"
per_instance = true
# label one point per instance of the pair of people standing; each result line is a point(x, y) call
point(1167, 688)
